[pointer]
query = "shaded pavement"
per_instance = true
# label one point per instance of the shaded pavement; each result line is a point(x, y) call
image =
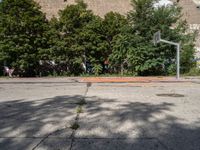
point(109, 116)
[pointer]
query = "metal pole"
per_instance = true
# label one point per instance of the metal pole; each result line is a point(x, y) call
point(169, 42)
point(157, 39)
point(178, 61)
point(177, 56)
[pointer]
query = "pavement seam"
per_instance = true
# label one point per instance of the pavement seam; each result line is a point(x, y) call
point(144, 138)
point(72, 137)
point(96, 138)
point(32, 137)
point(76, 121)
point(161, 143)
point(155, 138)
point(78, 115)
point(47, 136)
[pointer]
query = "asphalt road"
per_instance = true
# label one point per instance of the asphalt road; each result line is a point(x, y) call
point(63, 114)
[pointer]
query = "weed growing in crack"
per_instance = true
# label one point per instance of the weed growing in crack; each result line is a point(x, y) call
point(79, 109)
point(89, 84)
point(75, 126)
point(82, 102)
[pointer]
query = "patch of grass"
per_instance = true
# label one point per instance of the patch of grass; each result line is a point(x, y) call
point(75, 126)
point(79, 109)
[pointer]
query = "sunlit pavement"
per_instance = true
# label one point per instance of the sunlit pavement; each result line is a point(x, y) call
point(95, 114)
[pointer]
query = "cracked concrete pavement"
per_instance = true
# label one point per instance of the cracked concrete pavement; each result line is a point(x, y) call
point(37, 114)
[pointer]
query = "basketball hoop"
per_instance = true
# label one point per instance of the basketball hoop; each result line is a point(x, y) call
point(157, 39)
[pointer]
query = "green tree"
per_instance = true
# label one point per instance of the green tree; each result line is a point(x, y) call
point(94, 43)
point(22, 26)
point(146, 20)
point(123, 45)
point(112, 25)
point(67, 48)
point(98, 37)
point(174, 28)
point(76, 38)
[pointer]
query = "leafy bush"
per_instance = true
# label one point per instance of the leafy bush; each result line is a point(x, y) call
point(97, 69)
point(193, 72)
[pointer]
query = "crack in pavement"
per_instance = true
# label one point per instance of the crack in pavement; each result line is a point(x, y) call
point(155, 138)
point(76, 121)
point(161, 143)
point(74, 130)
point(88, 85)
point(44, 138)
point(164, 146)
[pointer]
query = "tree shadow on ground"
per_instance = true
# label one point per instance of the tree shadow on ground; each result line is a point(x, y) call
point(135, 125)
point(22, 120)
point(105, 124)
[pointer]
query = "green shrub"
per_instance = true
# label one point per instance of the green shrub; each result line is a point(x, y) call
point(97, 69)
point(193, 72)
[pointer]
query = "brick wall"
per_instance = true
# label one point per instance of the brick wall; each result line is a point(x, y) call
point(192, 14)
point(100, 7)
point(190, 11)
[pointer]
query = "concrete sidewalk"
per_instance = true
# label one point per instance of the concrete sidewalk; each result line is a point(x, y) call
point(67, 115)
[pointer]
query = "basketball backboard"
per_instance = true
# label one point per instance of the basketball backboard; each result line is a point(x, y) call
point(156, 38)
